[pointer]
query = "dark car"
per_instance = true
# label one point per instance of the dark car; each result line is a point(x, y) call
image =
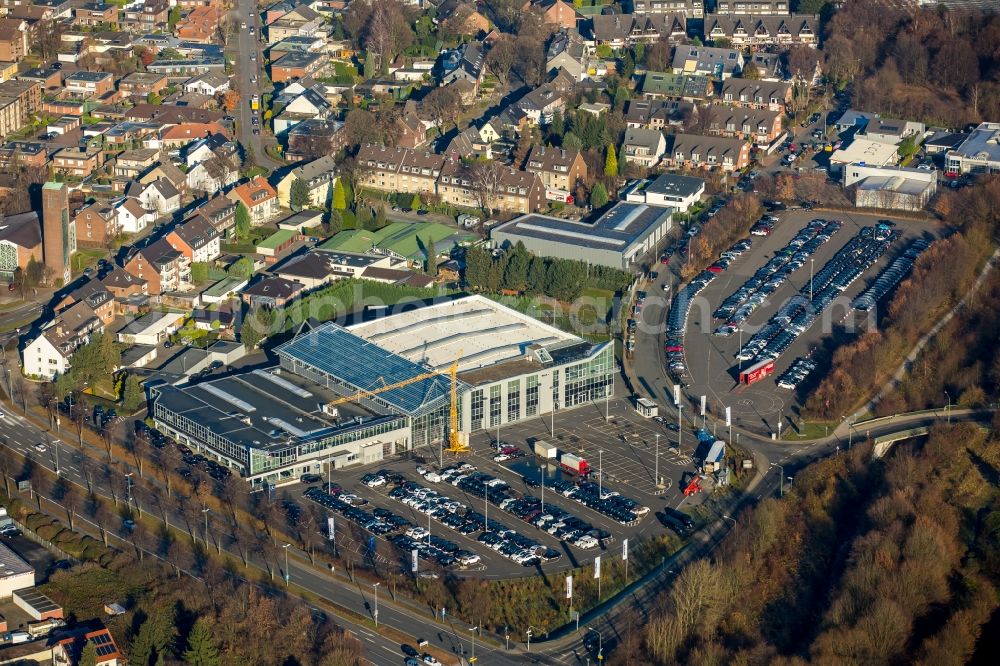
point(311, 478)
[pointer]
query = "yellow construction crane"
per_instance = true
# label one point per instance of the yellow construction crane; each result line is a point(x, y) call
point(456, 443)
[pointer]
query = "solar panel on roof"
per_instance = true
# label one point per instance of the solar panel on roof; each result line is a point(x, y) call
point(334, 351)
point(105, 650)
point(101, 639)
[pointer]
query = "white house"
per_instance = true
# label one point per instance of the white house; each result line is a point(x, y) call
point(211, 176)
point(159, 196)
point(675, 191)
point(150, 329)
point(209, 83)
point(894, 188)
point(131, 216)
point(49, 354)
point(644, 147)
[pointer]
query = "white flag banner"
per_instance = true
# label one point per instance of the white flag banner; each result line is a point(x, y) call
point(569, 587)
point(413, 564)
point(625, 549)
point(704, 399)
point(729, 417)
point(677, 394)
point(331, 529)
point(597, 567)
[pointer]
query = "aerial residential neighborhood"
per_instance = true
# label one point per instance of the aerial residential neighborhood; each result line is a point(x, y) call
point(342, 332)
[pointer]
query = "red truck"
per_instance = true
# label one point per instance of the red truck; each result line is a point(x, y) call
point(575, 464)
point(757, 372)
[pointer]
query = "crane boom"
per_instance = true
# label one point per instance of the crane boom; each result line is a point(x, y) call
point(455, 442)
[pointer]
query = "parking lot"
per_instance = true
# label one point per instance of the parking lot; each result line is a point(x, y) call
point(712, 361)
point(480, 517)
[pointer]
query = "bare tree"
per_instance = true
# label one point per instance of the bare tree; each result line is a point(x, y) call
point(487, 183)
point(501, 58)
point(71, 502)
point(443, 105)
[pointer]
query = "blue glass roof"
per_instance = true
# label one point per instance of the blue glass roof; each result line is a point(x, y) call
point(335, 351)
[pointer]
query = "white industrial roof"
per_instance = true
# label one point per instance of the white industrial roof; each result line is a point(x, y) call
point(476, 330)
point(866, 152)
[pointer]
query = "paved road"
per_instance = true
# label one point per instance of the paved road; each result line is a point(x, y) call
point(246, 70)
point(23, 436)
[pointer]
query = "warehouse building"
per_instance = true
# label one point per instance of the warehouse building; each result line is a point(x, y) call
point(273, 425)
point(617, 239)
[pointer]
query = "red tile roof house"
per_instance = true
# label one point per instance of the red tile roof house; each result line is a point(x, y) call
point(260, 199)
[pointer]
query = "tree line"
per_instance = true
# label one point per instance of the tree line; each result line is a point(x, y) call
point(514, 269)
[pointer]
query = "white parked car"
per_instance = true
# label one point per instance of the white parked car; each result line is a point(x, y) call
point(417, 532)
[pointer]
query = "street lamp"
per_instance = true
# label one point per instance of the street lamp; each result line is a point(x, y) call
point(287, 576)
point(600, 473)
point(812, 261)
point(600, 644)
point(375, 612)
point(948, 408)
point(529, 638)
point(205, 513)
point(781, 478)
point(128, 488)
point(656, 464)
point(472, 659)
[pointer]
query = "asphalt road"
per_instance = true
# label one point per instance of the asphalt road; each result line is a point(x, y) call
point(23, 437)
point(246, 70)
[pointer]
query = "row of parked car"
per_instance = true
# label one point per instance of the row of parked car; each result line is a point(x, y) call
point(337, 504)
point(677, 316)
point(463, 520)
point(602, 499)
point(158, 440)
point(890, 277)
point(528, 508)
point(796, 372)
point(433, 548)
point(768, 278)
point(833, 279)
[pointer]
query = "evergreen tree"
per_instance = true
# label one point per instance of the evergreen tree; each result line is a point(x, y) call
point(202, 650)
point(477, 267)
point(380, 219)
point(621, 96)
point(133, 394)
point(298, 195)
point(598, 196)
point(536, 276)
point(243, 221)
point(431, 266)
point(611, 162)
point(572, 142)
point(558, 126)
point(564, 279)
point(515, 276)
point(415, 202)
point(339, 195)
point(89, 655)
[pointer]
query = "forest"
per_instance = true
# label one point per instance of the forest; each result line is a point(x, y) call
point(936, 65)
point(864, 561)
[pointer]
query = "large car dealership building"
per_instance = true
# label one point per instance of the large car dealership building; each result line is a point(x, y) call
point(275, 424)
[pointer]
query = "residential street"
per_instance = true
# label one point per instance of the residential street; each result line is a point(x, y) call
point(247, 66)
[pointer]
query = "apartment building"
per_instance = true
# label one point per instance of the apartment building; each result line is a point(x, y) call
point(260, 199)
point(689, 8)
point(395, 169)
point(753, 7)
point(18, 100)
point(513, 190)
point(77, 161)
point(709, 152)
point(558, 168)
point(89, 84)
point(753, 94)
point(746, 31)
point(161, 266)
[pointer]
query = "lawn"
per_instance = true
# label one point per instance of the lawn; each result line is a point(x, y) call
point(86, 258)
